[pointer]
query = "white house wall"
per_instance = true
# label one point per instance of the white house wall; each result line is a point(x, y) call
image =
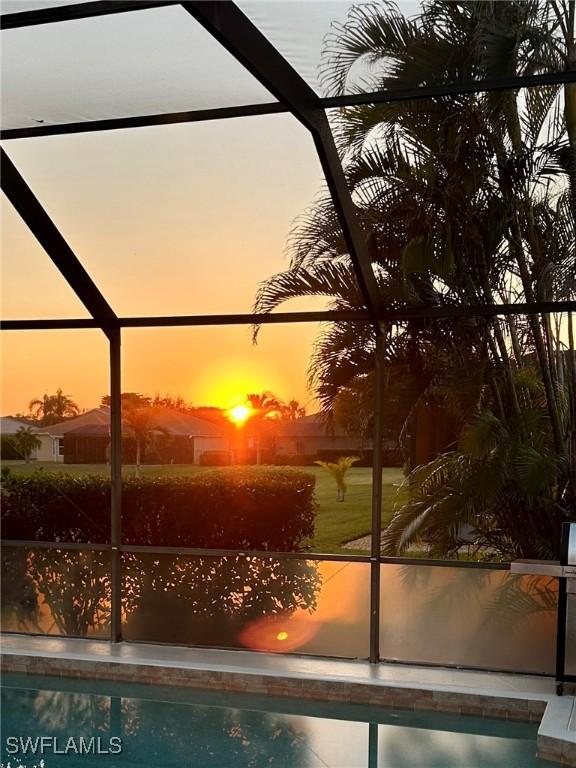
point(203, 444)
point(48, 450)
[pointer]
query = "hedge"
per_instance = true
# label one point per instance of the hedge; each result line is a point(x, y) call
point(215, 459)
point(206, 600)
point(231, 508)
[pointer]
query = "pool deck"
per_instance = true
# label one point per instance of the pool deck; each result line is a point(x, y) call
point(486, 694)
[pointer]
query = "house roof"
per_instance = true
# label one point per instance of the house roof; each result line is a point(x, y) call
point(88, 419)
point(97, 422)
point(314, 425)
point(90, 430)
point(10, 425)
point(184, 424)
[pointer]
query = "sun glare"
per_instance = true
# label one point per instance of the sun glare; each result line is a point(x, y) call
point(239, 414)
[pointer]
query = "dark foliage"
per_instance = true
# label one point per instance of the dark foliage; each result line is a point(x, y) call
point(8, 449)
point(199, 600)
point(256, 508)
point(215, 459)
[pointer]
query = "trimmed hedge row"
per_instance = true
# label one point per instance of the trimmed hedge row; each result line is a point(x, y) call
point(233, 508)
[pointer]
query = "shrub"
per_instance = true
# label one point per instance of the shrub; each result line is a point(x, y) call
point(233, 508)
point(47, 506)
point(295, 459)
point(215, 459)
point(166, 598)
point(202, 600)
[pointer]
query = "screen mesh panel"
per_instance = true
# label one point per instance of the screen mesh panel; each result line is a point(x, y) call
point(411, 51)
point(123, 65)
point(32, 287)
point(180, 219)
point(468, 617)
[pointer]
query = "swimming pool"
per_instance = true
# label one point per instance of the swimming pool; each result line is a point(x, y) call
point(111, 725)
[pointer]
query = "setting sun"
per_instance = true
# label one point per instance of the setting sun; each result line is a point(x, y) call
point(239, 414)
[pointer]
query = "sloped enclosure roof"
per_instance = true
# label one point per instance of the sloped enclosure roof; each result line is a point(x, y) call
point(97, 65)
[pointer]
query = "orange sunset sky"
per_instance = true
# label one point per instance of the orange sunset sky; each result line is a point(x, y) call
point(183, 219)
point(180, 219)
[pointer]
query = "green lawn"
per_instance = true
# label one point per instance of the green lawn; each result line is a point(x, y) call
point(339, 522)
point(336, 522)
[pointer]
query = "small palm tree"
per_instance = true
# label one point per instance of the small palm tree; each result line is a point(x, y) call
point(138, 423)
point(500, 482)
point(25, 442)
point(338, 472)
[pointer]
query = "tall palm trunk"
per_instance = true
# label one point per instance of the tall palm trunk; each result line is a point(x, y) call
point(516, 245)
point(534, 322)
point(258, 448)
point(499, 336)
point(571, 376)
point(513, 330)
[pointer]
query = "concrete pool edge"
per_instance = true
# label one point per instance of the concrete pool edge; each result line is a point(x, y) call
point(557, 731)
point(483, 694)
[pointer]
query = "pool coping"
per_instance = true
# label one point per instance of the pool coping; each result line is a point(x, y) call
point(460, 691)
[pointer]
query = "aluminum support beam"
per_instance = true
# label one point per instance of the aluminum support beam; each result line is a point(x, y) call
point(389, 315)
point(372, 745)
point(141, 121)
point(233, 30)
point(79, 11)
point(49, 237)
point(116, 485)
point(376, 529)
point(272, 108)
point(272, 318)
point(236, 33)
point(264, 554)
point(456, 88)
point(562, 628)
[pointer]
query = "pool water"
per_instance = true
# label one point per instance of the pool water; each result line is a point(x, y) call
point(163, 727)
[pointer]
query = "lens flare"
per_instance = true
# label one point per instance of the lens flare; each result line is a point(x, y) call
point(279, 634)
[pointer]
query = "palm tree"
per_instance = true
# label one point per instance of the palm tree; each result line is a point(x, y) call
point(25, 442)
point(450, 41)
point(138, 422)
point(263, 406)
point(131, 399)
point(495, 484)
point(338, 470)
point(463, 200)
point(292, 410)
point(52, 409)
point(138, 415)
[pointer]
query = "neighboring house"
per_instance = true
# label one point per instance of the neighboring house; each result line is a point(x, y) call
point(313, 436)
point(9, 426)
point(88, 420)
point(177, 437)
point(204, 436)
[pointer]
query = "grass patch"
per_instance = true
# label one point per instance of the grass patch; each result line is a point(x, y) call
point(336, 522)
